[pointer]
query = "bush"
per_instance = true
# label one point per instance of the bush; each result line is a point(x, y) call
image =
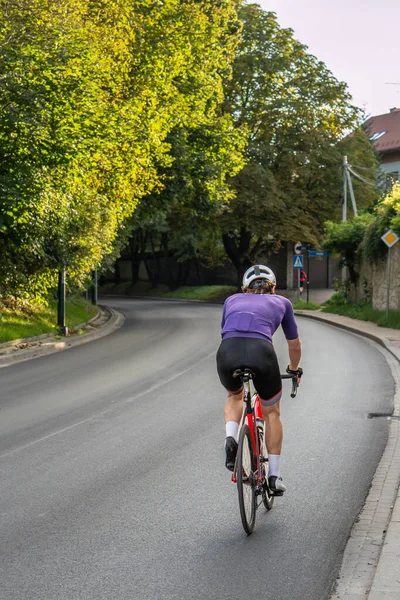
point(387, 216)
point(304, 305)
point(363, 311)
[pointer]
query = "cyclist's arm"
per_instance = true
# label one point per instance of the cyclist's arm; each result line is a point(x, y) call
point(290, 330)
point(294, 347)
point(223, 316)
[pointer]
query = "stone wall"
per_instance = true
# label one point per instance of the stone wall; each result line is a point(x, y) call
point(379, 281)
point(373, 277)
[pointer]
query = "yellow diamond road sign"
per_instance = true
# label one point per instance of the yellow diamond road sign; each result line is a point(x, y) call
point(390, 238)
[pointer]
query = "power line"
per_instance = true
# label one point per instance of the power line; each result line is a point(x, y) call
point(360, 177)
point(364, 168)
point(347, 183)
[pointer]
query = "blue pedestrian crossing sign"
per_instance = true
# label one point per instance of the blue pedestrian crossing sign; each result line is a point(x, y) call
point(298, 262)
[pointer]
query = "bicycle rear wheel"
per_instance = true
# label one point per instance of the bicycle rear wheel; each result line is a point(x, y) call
point(246, 480)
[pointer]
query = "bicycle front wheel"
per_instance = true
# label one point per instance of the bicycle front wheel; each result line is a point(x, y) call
point(246, 480)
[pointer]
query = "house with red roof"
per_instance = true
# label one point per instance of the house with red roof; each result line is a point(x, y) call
point(384, 133)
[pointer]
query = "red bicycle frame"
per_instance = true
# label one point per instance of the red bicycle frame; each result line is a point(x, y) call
point(252, 411)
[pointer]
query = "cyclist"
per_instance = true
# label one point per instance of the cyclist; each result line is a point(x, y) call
point(249, 320)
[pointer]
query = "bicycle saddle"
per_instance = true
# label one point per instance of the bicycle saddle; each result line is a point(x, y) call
point(244, 373)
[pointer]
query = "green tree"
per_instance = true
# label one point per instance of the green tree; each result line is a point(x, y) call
point(89, 93)
point(386, 216)
point(345, 239)
point(180, 220)
point(297, 116)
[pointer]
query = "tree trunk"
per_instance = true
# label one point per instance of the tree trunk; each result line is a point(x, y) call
point(238, 252)
point(186, 272)
point(172, 281)
point(137, 246)
point(117, 272)
point(157, 268)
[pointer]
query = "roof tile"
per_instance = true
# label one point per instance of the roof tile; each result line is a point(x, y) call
point(388, 123)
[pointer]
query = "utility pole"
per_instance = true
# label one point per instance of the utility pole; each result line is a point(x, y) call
point(345, 172)
point(347, 182)
point(353, 200)
point(344, 207)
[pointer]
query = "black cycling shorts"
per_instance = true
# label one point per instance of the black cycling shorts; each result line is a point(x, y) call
point(255, 354)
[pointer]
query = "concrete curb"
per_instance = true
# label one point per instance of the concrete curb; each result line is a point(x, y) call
point(105, 322)
point(17, 342)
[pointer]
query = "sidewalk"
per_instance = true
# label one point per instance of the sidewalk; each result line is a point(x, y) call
point(317, 296)
point(370, 567)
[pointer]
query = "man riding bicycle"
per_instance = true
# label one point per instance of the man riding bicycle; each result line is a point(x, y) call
point(249, 320)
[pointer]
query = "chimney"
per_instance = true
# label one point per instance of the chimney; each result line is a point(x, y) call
point(394, 109)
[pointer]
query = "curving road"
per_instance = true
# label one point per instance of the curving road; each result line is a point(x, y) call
point(112, 477)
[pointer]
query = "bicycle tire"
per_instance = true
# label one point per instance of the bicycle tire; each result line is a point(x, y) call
point(267, 497)
point(246, 483)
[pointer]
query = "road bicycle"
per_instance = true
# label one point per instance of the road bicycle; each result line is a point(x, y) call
point(251, 467)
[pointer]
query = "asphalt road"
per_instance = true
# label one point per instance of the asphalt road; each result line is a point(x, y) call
point(113, 483)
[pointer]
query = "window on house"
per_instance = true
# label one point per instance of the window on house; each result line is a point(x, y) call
point(377, 135)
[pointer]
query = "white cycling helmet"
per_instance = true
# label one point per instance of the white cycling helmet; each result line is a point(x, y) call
point(258, 272)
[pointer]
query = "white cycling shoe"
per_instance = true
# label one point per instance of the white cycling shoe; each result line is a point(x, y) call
point(276, 485)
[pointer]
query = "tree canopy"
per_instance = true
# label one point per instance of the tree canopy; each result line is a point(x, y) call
point(186, 126)
point(297, 117)
point(90, 91)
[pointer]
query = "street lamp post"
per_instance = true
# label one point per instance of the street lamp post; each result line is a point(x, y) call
point(61, 303)
point(94, 288)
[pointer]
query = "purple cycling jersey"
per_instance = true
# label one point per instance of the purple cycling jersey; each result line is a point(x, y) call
point(258, 316)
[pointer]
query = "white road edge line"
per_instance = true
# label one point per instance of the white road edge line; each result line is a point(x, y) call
point(101, 414)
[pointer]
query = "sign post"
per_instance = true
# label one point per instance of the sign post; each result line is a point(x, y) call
point(298, 248)
point(94, 289)
point(390, 239)
point(298, 264)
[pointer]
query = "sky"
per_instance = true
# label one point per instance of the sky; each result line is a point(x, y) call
point(358, 40)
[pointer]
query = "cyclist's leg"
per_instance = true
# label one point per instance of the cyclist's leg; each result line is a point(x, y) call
point(269, 387)
point(233, 407)
point(268, 384)
point(229, 358)
point(273, 427)
point(232, 414)
point(274, 437)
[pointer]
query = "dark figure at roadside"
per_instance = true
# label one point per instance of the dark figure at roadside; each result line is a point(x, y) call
point(303, 279)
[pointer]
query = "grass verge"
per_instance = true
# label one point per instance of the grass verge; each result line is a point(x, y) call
point(206, 293)
point(17, 324)
point(210, 293)
point(304, 305)
point(364, 312)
